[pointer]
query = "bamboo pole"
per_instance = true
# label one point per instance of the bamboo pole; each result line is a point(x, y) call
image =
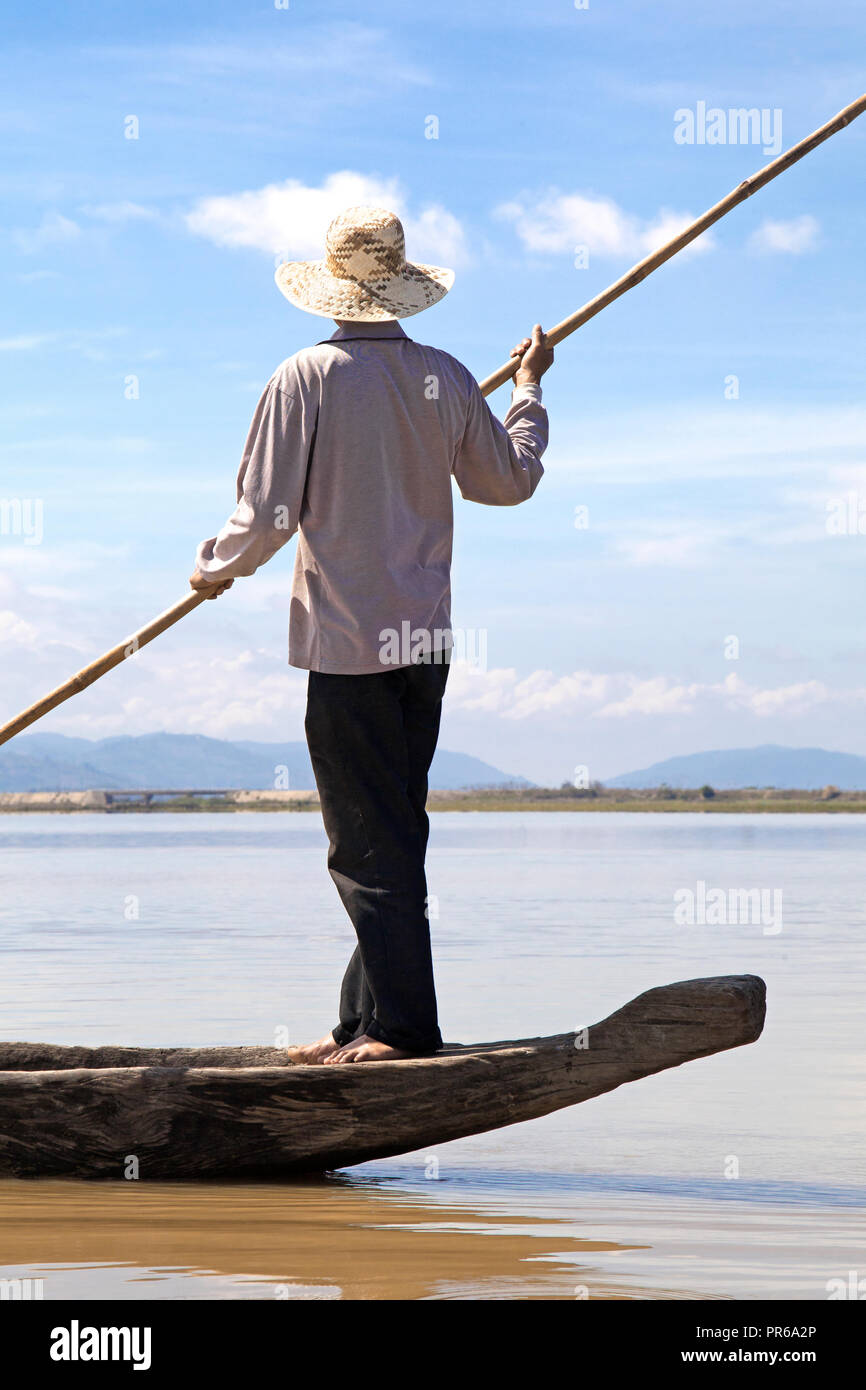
point(652, 262)
point(555, 335)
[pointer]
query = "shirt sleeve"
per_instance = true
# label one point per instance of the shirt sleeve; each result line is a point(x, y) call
point(270, 488)
point(499, 463)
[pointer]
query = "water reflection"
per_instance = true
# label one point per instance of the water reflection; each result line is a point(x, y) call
point(359, 1237)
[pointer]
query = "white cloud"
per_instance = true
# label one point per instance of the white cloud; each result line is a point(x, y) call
point(250, 694)
point(53, 230)
point(26, 342)
point(504, 693)
point(16, 631)
point(561, 222)
point(30, 277)
point(791, 238)
point(86, 341)
point(698, 539)
point(663, 695)
point(65, 558)
point(335, 61)
point(733, 440)
point(435, 234)
point(792, 699)
point(676, 550)
point(659, 695)
point(224, 696)
point(290, 218)
point(120, 212)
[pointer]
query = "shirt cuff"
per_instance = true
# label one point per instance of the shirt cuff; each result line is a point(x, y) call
point(205, 563)
point(532, 389)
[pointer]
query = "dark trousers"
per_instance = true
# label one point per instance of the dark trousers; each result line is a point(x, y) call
point(371, 740)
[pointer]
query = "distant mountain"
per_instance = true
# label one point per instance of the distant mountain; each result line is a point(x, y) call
point(53, 762)
point(769, 765)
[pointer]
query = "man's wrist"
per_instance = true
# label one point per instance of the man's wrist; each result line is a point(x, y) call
point(524, 378)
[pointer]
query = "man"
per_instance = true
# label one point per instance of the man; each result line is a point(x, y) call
point(353, 445)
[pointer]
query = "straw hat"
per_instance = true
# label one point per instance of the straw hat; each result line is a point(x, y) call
point(365, 276)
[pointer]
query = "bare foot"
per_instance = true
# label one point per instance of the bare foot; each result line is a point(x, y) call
point(366, 1049)
point(314, 1053)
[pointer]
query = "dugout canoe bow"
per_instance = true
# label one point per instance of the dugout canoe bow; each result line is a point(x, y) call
point(247, 1112)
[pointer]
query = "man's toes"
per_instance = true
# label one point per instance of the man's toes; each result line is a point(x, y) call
point(313, 1054)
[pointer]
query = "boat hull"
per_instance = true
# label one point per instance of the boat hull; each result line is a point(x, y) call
point(248, 1112)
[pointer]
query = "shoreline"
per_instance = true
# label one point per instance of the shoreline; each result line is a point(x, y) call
point(665, 801)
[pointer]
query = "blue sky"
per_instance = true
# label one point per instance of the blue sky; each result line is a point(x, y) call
point(608, 646)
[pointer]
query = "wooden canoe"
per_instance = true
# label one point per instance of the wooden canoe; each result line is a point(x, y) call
point(243, 1112)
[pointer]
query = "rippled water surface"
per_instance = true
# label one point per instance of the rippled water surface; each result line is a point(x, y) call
point(737, 1176)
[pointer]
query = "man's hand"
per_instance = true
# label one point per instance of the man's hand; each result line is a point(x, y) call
point(535, 358)
point(198, 582)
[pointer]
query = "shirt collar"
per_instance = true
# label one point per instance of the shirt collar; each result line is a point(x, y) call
point(389, 329)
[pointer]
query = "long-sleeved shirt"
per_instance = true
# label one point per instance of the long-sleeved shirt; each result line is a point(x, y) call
point(353, 445)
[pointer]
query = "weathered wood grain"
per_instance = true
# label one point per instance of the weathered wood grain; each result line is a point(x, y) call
point(247, 1112)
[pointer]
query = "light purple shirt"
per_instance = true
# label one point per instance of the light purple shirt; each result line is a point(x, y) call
point(353, 445)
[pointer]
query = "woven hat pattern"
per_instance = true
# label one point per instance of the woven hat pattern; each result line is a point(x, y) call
point(364, 276)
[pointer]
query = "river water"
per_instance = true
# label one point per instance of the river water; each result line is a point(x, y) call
point(737, 1176)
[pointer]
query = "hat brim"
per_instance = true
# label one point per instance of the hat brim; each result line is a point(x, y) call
point(309, 285)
